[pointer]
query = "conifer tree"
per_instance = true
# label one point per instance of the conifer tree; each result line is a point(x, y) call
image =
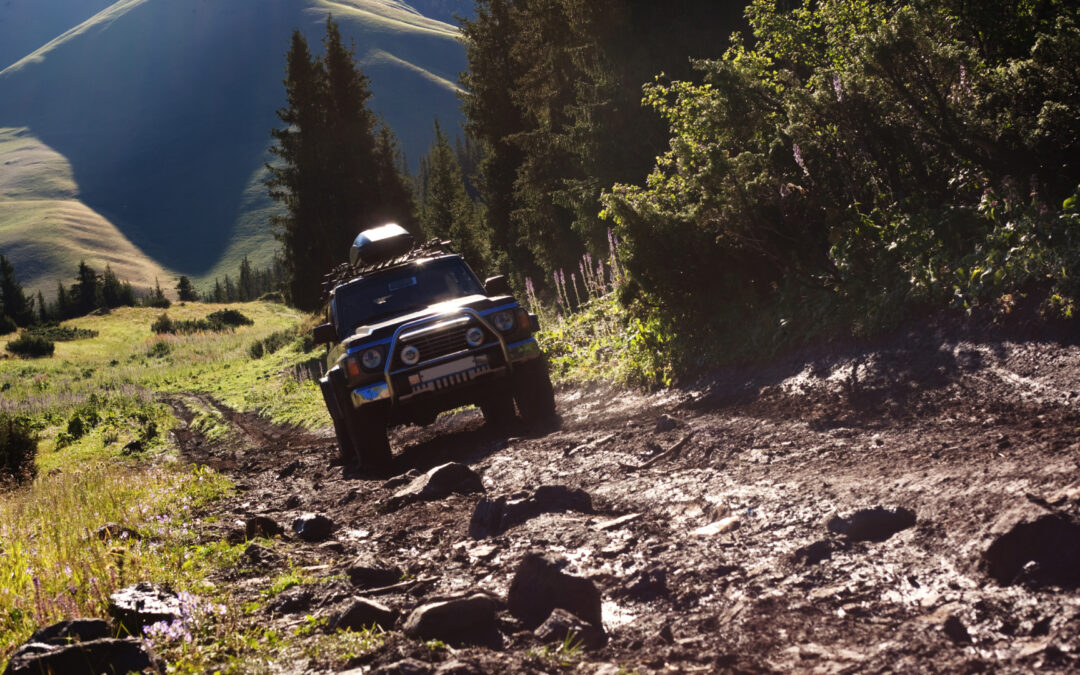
point(64, 307)
point(185, 291)
point(87, 290)
point(13, 300)
point(328, 173)
point(42, 308)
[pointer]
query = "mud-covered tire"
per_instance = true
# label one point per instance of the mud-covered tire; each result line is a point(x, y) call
point(498, 409)
point(533, 392)
point(371, 447)
point(346, 450)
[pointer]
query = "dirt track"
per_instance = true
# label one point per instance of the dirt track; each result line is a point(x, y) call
point(973, 436)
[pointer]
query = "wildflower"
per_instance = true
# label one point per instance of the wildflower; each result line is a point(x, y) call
point(797, 152)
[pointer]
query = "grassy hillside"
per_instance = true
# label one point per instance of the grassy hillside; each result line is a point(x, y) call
point(48, 230)
point(162, 110)
point(88, 402)
point(25, 25)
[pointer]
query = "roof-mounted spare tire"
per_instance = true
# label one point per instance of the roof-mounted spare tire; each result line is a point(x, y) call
point(380, 244)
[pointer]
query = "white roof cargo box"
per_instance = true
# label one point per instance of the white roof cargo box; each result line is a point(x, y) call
point(380, 244)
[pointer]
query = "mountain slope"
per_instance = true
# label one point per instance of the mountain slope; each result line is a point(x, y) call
point(163, 109)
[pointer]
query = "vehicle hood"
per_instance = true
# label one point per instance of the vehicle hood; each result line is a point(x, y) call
point(384, 330)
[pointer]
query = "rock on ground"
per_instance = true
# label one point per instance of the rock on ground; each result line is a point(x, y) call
point(539, 586)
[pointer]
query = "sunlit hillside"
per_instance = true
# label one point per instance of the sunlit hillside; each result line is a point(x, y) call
point(158, 112)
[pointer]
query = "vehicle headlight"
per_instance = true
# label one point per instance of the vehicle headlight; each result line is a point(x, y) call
point(371, 358)
point(503, 320)
point(410, 355)
point(474, 337)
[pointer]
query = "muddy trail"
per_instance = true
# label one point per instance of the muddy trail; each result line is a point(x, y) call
point(912, 505)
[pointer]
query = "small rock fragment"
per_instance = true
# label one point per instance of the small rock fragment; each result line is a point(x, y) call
point(468, 620)
point(404, 667)
point(143, 604)
point(436, 484)
point(260, 556)
point(492, 517)
point(719, 527)
point(312, 527)
point(362, 613)
point(665, 423)
point(368, 572)
point(876, 524)
point(561, 625)
point(289, 469)
point(955, 630)
point(292, 601)
point(262, 526)
point(539, 586)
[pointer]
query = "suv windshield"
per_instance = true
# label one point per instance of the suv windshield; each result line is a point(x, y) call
point(402, 290)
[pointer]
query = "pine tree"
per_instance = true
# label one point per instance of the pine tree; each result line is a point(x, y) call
point(115, 293)
point(13, 300)
point(185, 291)
point(328, 173)
point(64, 307)
point(87, 290)
point(42, 308)
point(447, 211)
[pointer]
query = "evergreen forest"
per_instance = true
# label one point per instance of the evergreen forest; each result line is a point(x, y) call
point(797, 170)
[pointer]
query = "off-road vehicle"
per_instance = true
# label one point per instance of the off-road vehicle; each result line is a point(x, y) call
point(414, 332)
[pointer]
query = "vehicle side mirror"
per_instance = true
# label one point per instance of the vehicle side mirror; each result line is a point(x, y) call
point(497, 285)
point(324, 333)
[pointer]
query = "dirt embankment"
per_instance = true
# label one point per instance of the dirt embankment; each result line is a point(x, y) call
point(911, 506)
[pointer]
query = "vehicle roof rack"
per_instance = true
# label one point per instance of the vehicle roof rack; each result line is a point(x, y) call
point(346, 272)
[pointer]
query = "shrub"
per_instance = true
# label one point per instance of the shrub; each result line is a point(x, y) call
point(18, 447)
point(7, 325)
point(159, 349)
point(31, 346)
point(271, 343)
point(58, 333)
point(163, 324)
point(229, 317)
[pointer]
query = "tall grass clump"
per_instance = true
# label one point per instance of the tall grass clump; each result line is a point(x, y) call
point(58, 564)
point(18, 447)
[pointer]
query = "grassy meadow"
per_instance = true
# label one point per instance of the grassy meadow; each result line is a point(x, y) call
point(105, 456)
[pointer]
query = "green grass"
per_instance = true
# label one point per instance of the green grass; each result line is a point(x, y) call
point(105, 455)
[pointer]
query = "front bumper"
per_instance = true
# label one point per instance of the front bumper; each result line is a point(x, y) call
point(453, 374)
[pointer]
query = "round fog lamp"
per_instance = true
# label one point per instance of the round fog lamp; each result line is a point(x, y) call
point(503, 320)
point(410, 355)
point(371, 359)
point(474, 336)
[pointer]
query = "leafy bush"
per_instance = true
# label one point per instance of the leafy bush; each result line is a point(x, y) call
point(7, 325)
point(229, 317)
point(159, 349)
point(271, 343)
point(217, 322)
point(18, 448)
point(58, 333)
point(31, 346)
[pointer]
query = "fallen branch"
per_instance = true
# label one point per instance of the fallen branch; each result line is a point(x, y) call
point(670, 452)
point(400, 586)
point(590, 444)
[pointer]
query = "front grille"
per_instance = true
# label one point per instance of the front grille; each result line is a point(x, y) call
point(434, 345)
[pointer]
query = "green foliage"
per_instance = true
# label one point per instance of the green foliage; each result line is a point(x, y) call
point(18, 448)
point(885, 158)
point(271, 343)
point(31, 346)
point(185, 291)
point(334, 174)
point(7, 325)
point(221, 320)
point(57, 333)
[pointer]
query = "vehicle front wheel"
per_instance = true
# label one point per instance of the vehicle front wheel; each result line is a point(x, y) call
point(533, 392)
point(498, 409)
point(371, 447)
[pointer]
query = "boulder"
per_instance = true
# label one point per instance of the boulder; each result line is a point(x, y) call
point(143, 604)
point(293, 601)
point(665, 423)
point(539, 586)
point(463, 621)
point(90, 657)
point(876, 524)
point(492, 517)
point(1034, 548)
point(437, 483)
point(73, 630)
point(361, 614)
point(561, 626)
point(262, 526)
point(367, 572)
point(312, 527)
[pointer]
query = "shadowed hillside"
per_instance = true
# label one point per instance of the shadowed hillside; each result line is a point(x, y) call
point(163, 109)
point(25, 25)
